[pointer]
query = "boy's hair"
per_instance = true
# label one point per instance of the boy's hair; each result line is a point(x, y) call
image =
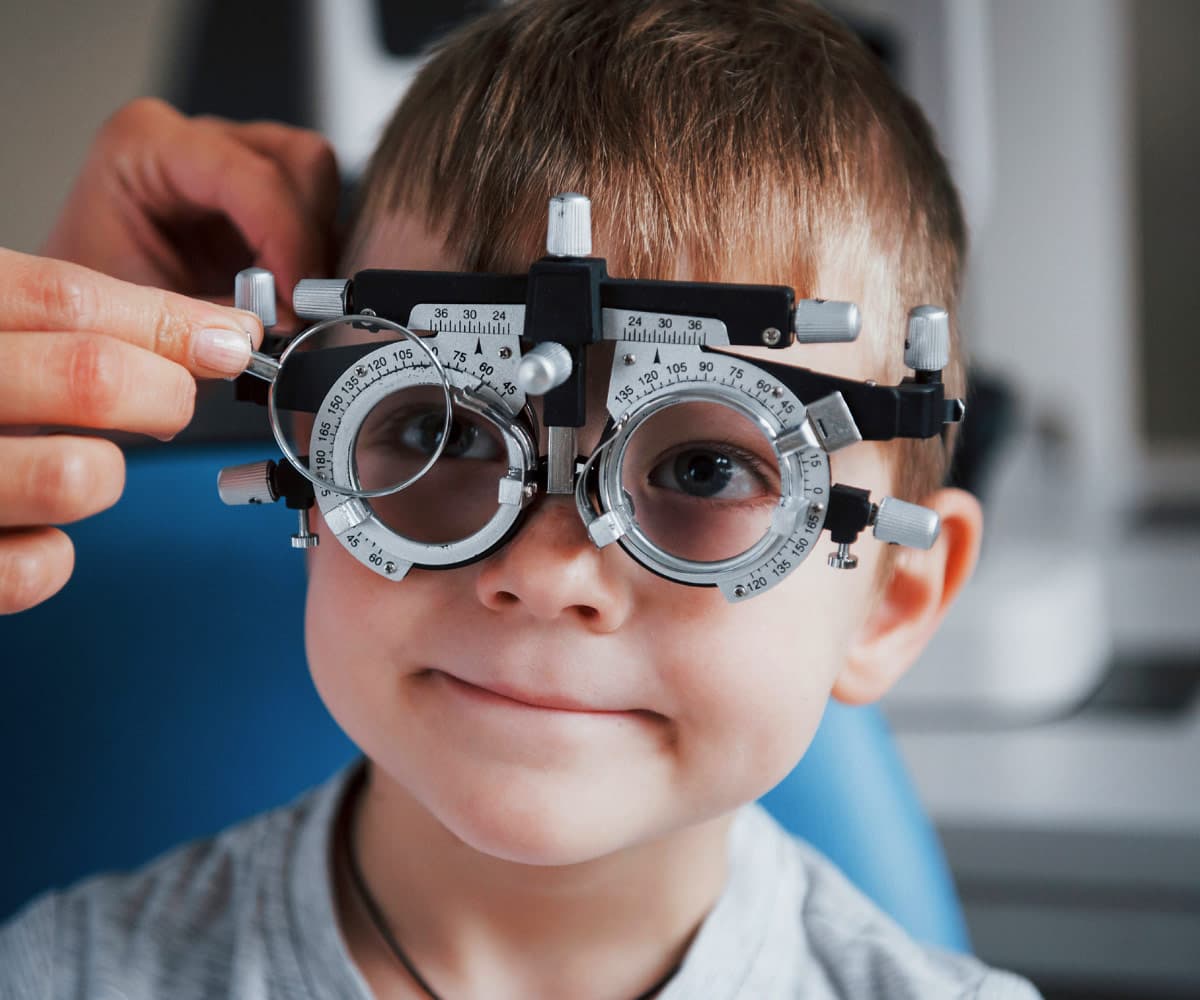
point(731, 140)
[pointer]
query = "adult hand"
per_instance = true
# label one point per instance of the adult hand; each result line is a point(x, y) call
point(184, 203)
point(82, 349)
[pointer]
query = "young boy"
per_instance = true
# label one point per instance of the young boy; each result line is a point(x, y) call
point(485, 848)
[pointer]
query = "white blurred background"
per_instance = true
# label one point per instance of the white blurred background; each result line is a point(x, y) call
point(1053, 728)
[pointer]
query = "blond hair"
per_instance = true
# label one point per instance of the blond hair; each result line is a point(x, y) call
point(757, 140)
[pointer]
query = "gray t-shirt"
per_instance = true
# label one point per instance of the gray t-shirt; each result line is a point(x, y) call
point(249, 913)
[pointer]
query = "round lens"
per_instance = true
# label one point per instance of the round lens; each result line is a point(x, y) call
point(335, 381)
point(459, 494)
point(702, 480)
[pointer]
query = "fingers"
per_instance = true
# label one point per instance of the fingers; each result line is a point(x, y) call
point(35, 563)
point(169, 200)
point(87, 380)
point(57, 479)
point(37, 293)
point(203, 164)
point(309, 162)
point(257, 196)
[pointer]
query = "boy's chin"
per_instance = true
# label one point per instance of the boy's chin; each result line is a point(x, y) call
point(541, 823)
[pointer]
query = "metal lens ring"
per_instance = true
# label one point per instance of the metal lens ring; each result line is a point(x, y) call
point(347, 488)
point(782, 536)
point(368, 534)
point(636, 537)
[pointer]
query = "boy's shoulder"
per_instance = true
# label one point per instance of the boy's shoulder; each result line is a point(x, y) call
point(790, 924)
point(217, 916)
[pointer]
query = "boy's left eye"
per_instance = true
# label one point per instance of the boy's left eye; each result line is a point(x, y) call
point(711, 473)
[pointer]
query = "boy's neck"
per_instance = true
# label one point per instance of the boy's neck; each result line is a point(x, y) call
point(474, 925)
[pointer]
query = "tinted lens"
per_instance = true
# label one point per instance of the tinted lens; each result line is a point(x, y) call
point(703, 481)
point(456, 497)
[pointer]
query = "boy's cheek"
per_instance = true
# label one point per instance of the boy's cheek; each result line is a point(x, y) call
point(760, 671)
point(355, 621)
point(745, 685)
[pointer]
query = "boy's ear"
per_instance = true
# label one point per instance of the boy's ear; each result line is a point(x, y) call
point(915, 599)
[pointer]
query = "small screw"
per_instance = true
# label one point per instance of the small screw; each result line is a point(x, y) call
point(771, 336)
point(361, 371)
point(506, 353)
point(304, 538)
point(843, 558)
point(739, 591)
point(872, 382)
point(777, 391)
point(367, 312)
point(528, 491)
point(630, 359)
point(817, 508)
point(389, 567)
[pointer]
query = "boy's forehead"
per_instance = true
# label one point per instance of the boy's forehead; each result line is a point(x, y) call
point(404, 242)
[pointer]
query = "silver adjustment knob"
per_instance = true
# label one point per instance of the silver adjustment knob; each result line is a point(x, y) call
point(543, 367)
point(254, 291)
point(320, 298)
point(821, 321)
point(249, 483)
point(927, 341)
point(569, 232)
point(906, 523)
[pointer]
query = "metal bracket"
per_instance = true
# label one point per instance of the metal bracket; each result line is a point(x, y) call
point(606, 529)
point(512, 488)
point(833, 423)
point(797, 438)
point(347, 515)
point(560, 464)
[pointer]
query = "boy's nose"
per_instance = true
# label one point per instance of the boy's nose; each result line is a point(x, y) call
point(551, 570)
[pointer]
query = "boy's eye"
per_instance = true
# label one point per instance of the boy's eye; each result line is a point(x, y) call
point(710, 472)
point(420, 431)
point(423, 432)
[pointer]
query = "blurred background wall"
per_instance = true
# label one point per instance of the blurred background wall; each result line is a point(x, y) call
point(1167, 136)
point(65, 67)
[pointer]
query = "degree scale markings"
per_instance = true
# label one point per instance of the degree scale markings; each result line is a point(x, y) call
point(328, 425)
point(662, 328)
point(499, 318)
point(461, 354)
point(723, 371)
point(478, 319)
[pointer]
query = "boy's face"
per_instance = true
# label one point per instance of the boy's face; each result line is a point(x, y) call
point(706, 705)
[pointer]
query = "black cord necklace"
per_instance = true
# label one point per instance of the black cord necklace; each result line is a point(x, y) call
point(380, 923)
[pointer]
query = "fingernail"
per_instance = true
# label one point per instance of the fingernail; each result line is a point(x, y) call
point(223, 350)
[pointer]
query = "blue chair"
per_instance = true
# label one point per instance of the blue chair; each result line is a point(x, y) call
point(163, 695)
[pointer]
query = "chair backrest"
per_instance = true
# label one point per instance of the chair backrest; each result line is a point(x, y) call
point(163, 695)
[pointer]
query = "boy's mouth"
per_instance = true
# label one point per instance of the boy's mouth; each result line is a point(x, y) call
point(496, 690)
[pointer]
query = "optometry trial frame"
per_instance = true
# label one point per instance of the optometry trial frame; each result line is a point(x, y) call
point(712, 470)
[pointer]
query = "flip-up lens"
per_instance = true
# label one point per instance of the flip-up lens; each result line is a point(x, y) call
point(345, 373)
